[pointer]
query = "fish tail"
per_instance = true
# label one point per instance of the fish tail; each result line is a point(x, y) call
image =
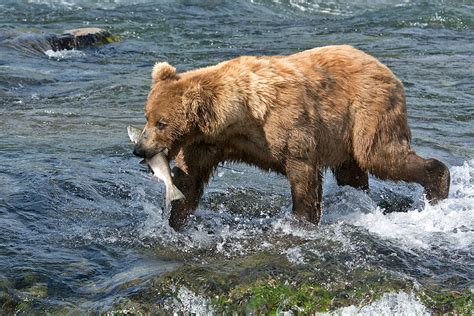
point(171, 195)
point(175, 194)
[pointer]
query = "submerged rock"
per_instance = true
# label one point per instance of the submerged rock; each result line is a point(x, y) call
point(80, 38)
point(268, 283)
point(262, 283)
point(33, 43)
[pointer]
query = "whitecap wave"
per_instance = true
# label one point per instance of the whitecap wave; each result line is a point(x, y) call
point(64, 54)
point(449, 224)
point(390, 304)
point(101, 4)
point(338, 7)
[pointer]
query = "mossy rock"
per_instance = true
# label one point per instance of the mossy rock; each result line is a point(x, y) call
point(39, 290)
point(442, 302)
point(267, 283)
point(246, 202)
point(264, 283)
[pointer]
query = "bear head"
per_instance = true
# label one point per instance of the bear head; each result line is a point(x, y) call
point(178, 110)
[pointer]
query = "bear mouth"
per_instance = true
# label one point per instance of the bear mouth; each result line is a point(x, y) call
point(159, 150)
point(164, 151)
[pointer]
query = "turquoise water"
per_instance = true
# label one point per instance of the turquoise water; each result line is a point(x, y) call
point(81, 223)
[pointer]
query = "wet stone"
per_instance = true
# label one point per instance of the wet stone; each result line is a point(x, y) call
point(80, 38)
point(246, 202)
point(265, 283)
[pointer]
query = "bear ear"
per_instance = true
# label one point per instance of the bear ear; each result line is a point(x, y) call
point(200, 110)
point(163, 71)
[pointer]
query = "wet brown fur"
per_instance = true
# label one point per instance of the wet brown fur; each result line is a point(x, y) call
point(331, 107)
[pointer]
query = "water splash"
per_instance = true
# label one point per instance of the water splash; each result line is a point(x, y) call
point(64, 54)
point(390, 304)
point(448, 225)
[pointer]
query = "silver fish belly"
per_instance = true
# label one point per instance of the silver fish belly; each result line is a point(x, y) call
point(160, 166)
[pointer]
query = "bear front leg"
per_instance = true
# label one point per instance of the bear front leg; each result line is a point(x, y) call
point(349, 173)
point(306, 190)
point(194, 166)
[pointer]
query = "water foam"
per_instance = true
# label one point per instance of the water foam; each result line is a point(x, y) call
point(449, 224)
point(64, 54)
point(336, 8)
point(390, 304)
point(192, 303)
point(74, 4)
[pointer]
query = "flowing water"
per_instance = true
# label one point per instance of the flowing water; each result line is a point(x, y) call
point(81, 223)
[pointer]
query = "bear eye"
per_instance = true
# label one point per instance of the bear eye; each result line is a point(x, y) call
point(160, 125)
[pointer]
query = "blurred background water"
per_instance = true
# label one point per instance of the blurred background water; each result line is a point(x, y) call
point(81, 222)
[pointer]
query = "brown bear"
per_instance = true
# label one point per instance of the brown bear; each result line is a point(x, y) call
point(330, 107)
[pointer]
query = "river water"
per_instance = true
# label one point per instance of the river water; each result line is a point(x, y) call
point(81, 223)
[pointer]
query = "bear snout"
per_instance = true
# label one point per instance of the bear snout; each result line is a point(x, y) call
point(138, 151)
point(143, 151)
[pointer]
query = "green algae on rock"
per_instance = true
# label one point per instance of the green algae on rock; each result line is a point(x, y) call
point(263, 284)
point(441, 301)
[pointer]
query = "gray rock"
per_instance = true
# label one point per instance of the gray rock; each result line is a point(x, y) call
point(80, 38)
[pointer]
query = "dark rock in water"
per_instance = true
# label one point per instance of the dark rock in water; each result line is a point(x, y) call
point(40, 43)
point(80, 38)
point(391, 202)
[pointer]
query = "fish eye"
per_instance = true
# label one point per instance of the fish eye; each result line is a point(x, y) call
point(160, 125)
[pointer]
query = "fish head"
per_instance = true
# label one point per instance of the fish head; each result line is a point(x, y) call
point(134, 133)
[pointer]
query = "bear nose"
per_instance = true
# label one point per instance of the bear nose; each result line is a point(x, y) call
point(139, 152)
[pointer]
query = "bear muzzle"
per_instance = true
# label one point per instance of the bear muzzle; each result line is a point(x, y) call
point(139, 152)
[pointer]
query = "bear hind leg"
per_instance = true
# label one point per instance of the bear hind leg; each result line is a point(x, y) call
point(406, 165)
